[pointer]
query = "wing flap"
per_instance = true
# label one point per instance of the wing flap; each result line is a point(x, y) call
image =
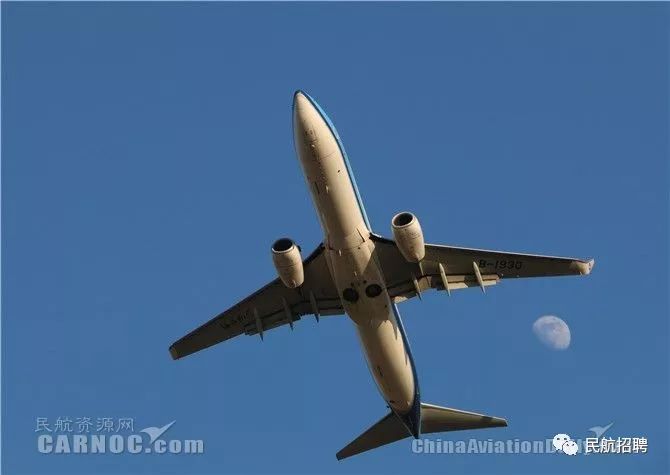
point(271, 306)
point(461, 267)
point(507, 264)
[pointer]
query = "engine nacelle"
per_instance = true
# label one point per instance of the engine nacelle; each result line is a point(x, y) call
point(408, 236)
point(288, 262)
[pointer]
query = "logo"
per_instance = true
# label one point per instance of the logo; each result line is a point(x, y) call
point(563, 443)
point(108, 435)
point(155, 432)
point(600, 444)
point(600, 431)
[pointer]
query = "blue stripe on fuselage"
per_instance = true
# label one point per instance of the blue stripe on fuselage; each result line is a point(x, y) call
point(344, 154)
point(412, 419)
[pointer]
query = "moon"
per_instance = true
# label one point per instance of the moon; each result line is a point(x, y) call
point(553, 332)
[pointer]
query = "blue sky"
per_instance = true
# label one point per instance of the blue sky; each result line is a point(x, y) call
point(148, 164)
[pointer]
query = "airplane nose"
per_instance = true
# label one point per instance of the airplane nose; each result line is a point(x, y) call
point(300, 101)
point(310, 128)
point(304, 117)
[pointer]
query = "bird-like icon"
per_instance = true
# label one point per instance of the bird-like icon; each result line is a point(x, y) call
point(155, 432)
point(599, 431)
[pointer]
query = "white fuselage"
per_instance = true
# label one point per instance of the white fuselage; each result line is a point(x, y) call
point(350, 253)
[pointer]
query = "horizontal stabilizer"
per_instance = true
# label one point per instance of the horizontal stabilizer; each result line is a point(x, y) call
point(433, 419)
point(443, 419)
point(387, 430)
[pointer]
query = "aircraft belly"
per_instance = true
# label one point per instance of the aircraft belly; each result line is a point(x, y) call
point(349, 254)
point(389, 363)
point(362, 291)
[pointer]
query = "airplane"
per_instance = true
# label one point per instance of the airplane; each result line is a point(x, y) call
point(357, 272)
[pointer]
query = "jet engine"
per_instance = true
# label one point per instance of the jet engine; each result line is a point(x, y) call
point(288, 262)
point(408, 236)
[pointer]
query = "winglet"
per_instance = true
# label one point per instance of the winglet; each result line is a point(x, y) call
point(584, 267)
point(591, 263)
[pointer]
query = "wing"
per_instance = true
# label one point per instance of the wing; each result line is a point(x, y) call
point(271, 306)
point(449, 268)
